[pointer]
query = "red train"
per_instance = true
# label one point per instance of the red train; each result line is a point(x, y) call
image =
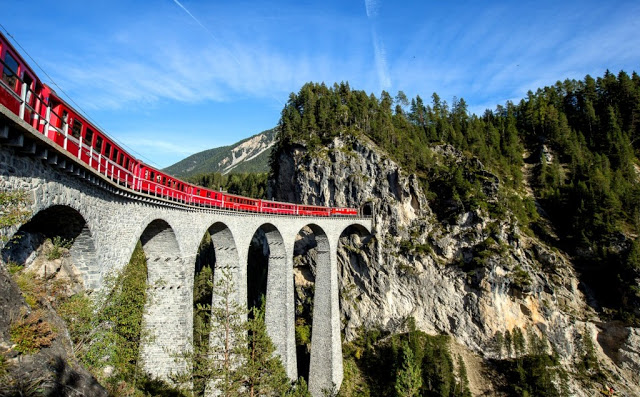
point(22, 92)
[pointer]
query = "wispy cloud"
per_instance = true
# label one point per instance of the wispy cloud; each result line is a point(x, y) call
point(489, 54)
point(189, 74)
point(520, 52)
point(155, 145)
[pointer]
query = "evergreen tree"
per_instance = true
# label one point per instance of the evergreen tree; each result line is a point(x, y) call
point(228, 337)
point(262, 372)
point(408, 377)
point(462, 390)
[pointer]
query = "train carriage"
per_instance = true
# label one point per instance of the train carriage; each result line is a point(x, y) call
point(83, 140)
point(344, 211)
point(313, 210)
point(25, 95)
point(240, 203)
point(21, 92)
point(275, 207)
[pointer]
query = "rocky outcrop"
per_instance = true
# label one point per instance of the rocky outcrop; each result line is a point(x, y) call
point(474, 275)
point(51, 370)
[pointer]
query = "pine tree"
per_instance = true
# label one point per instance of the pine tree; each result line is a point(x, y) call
point(262, 371)
point(408, 377)
point(218, 365)
point(228, 337)
point(463, 387)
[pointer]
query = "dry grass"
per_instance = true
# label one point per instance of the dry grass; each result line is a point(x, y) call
point(30, 332)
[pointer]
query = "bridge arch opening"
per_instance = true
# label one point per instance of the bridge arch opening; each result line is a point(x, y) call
point(217, 251)
point(266, 256)
point(310, 255)
point(355, 248)
point(56, 243)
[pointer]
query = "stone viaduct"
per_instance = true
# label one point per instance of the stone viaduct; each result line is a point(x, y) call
point(109, 220)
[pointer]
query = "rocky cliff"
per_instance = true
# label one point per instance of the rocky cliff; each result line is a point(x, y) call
point(474, 275)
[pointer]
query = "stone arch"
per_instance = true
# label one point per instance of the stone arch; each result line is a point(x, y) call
point(223, 250)
point(63, 222)
point(354, 250)
point(273, 249)
point(325, 366)
point(168, 309)
point(217, 250)
point(224, 244)
point(279, 308)
point(227, 258)
point(159, 240)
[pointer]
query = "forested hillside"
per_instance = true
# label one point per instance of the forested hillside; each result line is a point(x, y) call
point(567, 154)
point(244, 184)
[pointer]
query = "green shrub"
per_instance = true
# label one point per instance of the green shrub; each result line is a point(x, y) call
point(521, 279)
point(59, 246)
point(303, 332)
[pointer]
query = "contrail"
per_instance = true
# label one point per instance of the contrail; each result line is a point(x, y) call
point(381, 62)
point(372, 8)
point(380, 54)
point(205, 28)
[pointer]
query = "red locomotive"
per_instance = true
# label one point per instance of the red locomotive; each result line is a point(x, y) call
point(24, 94)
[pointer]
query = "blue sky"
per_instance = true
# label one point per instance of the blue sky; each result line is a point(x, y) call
point(169, 78)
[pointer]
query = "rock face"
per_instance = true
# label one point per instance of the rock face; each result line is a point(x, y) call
point(473, 275)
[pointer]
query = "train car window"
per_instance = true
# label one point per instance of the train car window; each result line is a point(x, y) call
point(107, 149)
point(121, 159)
point(153, 175)
point(88, 136)
point(198, 192)
point(10, 71)
point(114, 155)
point(126, 163)
point(65, 119)
point(98, 144)
point(77, 129)
point(164, 180)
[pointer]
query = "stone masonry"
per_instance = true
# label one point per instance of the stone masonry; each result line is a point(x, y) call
point(115, 219)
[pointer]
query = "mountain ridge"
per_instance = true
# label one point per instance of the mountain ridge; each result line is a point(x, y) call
point(250, 155)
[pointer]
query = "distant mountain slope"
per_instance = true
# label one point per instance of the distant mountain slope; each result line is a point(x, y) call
point(248, 155)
